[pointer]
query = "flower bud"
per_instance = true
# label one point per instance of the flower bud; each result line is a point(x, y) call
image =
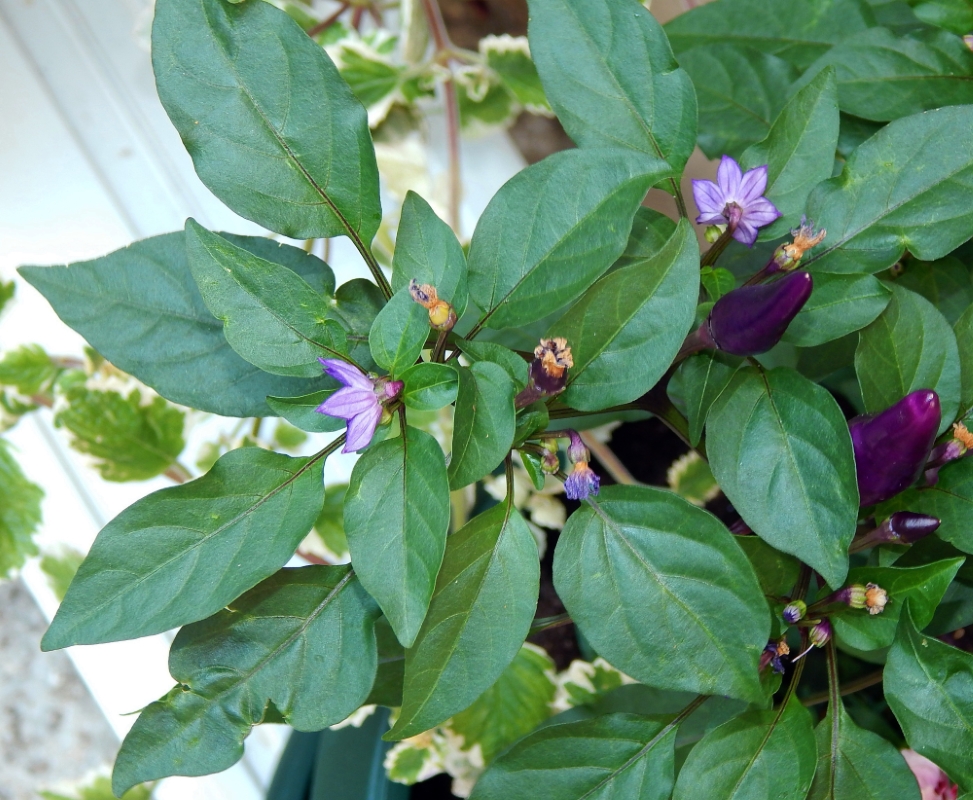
point(891, 447)
point(550, 463)
point(821, 633)
point(751, 319)
point(794, 612)
point(713, 232)
point(576, 449)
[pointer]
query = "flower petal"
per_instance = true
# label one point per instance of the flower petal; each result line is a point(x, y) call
point(760, 212)
point(346, 373)
point(728, 176)
point(711, 219)
point(745, 233)
point(361, 429)
point(753, 185)
point(349, 402)
point(708, 197)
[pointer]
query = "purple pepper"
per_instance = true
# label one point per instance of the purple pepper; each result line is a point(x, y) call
point(892, 446)
point(751, 319)
point(903, 527)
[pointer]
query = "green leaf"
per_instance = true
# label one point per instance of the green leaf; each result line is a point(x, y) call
point(798, 151)
point(627, 328)
point(530, 420)
point(513, 364)
point(399, 333)
point(853, 132)
point(509, 57)
point(426, 250)
point(396, 520)
point(60, 568)
point(611, 78)
point(760, 754)
point(173, 557)
point(533, 465)
point(650, 232)
point(717, 281)
point(100, 789)
point(963, 330)
point(302, 640)
point(301, 412)
point(796, 30)
point(929, 687)
point(20, 513)
point(906, 188)
point(516, 704)
point(882, 76)
point(740, 91)
point(953, 15)
point(272, 128)
point(923, 587)
point(387, 689)
point(839, 305)
point(139, 307)
point(356, 304)
point(777, 572)
point(553, 228)
point(484, 423)
point(429, 387)
point(944, 283)
point(614, 757)
point(28, 369)
point(909, 346)
point(854, 762)
point(480, 614)
point(330, 525)
point(130, 440)
point(702, 379)
point(779, 446)
point(270, 315)
point(950, 500)
point(7, 291)
point(369, 75)
point(642, 572)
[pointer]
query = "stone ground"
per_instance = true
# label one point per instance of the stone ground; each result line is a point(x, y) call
point(50, 728)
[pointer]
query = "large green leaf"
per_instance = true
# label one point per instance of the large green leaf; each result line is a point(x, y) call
point(174, 557)
point(910, 346)
point(140, 308)
point(20, 513)
point(929, 687)
point(701, 379)
point(399, 333)
point(613, 757)
point(356, 305)
point(953, 15)
point(740, 91)
point(485, 600)
point(923, 587)
point(756, 756)
point(303, 640)
point(396, 520)
point(611, 78)
point(428, 386)
point(963, 330)
point(839, 305)
point(272, 128)
point(553, 228)
point(796, 30)
point(302, 413)
point(798, 151)
point(906, 188)
point(779, 446)
point(882, 76)
point(427, 251)
point(856, 763)
point(627, 328)
point(945, 283)
point(650, 232)
point(270, 315)
point(484, 423)
point(654, 584)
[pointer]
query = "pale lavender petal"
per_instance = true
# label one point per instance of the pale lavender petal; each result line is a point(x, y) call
point(753, 185)
point(728, 177)
point(745, 233)
point(761, 212)
point(349, 402)
point(711, 218)
point(346, 373)
point(709, 199)
point(361, 429)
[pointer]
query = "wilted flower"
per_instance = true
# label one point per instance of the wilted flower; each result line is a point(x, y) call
point(442, 317)
point(787, 256)
point(581, 482)
point(735, 200)
point(772, 654)
point(891, 447)
point(876, 598)
point(548, 373)
point(359, 402)
point(933, 782)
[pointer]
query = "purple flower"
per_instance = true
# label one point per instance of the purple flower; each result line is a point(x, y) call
point(581, 482)
point(736, 199)
point(359, 401)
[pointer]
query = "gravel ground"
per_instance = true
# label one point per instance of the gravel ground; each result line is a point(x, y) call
point(50, 728)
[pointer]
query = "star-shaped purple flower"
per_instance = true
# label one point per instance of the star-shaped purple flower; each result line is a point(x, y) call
point(359, 401)
point(736, 199)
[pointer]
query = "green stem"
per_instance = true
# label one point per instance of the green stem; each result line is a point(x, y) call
point(710, 256)
point(850, 687)
point(546, 623)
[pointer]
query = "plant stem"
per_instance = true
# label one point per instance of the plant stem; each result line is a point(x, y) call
point(851, 687)
point(440, 348)
point(327, 22)
point(607, 458)
point(546, 623)
point(710, 256)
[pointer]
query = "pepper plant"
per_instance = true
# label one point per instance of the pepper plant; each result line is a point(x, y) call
point(818, 354)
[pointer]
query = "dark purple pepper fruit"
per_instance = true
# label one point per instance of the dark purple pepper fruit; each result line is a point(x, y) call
point(907, 527)
point(751, 319)
point(892, 446)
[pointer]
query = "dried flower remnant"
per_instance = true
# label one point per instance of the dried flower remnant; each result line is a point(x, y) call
point(876, 598)
point(548, 373)
point(891, 447)
point(772, 655)
point(735, 200)
point(360, 401)
point(442, 316)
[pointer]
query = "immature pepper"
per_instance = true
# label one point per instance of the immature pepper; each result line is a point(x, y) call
point(891, 447)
